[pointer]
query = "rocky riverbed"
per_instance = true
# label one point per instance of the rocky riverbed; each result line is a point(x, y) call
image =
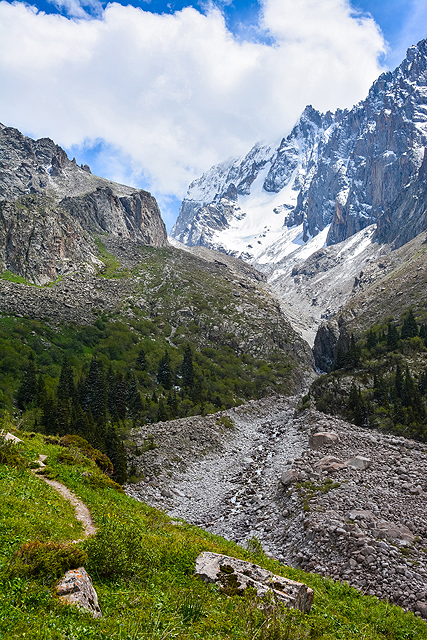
point(351, 506)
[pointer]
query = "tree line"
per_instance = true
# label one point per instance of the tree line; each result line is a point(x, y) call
point(387, 390)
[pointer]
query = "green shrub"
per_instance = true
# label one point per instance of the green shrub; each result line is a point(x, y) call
point(225, 421)
point(119, 550)
point(100, 459)
point(45, 559)
point(101, 481)
point(11, 455)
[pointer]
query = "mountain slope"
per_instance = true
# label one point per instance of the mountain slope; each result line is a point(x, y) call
point(343, 169)
point(50, 209)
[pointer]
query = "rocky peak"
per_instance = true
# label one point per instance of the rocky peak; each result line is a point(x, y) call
point(338, 171)
point(50, 208)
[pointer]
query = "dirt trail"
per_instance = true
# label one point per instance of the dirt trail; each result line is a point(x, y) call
point(82, 512)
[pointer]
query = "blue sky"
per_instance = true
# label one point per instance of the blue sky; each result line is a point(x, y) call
point(152, 93)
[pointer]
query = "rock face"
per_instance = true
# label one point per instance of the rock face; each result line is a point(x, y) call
point(76, 588)
point(341, 171)
point(234, 576)
point(50, 208)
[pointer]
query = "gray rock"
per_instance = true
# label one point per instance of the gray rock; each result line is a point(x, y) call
point(395, 532)
point(358, 462)
point(76, 588)
point(235, 576)
point(317, 440)
point(422, 608)
point(288, 477)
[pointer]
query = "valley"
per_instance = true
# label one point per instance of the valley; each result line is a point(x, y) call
point(253, 385)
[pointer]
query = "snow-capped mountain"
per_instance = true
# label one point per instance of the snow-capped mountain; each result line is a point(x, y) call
point(334, 175)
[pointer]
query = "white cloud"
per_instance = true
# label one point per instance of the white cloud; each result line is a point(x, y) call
point(176, 93)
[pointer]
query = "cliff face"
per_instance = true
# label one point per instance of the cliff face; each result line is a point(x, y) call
point(50, 208)
point(337, 172)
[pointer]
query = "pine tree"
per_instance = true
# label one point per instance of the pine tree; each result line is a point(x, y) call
point(408, 389)
point(117, 454)
point(162, 415)
point(187, 369)
point(372, 339)
point(398, 382)
point(133, 396)
point(409, 327)
point(66, 387)
point(392, 336)
point(164, 373)
point(423, 333)
point(27, 392)
point(141, 361)
point(95, 392)
point(120, 396)
point(48, 406)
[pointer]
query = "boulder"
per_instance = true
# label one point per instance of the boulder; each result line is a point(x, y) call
point(288, 477)
point(422, 608)
point(329, 463)
point(358, 462)
point(361, 514)
point(398, 533)
point(234, 576)
point(317, 440)
point(10, 437)
point(76, 588)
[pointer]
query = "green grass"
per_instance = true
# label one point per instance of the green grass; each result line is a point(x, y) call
point(112, 267)
point(12, 277)
point(142, 566)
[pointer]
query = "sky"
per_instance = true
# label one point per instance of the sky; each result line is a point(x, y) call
point(154, 92)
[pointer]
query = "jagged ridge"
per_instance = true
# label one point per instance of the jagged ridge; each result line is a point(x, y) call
point(345, 169)
point(50, 208)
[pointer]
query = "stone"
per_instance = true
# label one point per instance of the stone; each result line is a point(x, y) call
point(361, 514)
point(329, 463)
point(234, 576)
point(397, 532)
point(288, 477)
point(76, 588)
point(9, 437)
point(358, 462)
point(422, 608)
point(319, 439)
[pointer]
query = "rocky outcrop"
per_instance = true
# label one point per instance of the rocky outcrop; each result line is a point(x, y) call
point(326, 345)
point(407, 216)
point(347, 170)
point(76, 588)
point(234, 576)
point(50, 209)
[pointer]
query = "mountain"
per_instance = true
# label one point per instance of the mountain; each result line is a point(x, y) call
point(334, 174)
point(50, 209)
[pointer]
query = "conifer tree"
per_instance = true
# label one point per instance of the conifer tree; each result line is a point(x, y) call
point(27, 392)
point(187, 369)
point(408, 389)
point(133, 396)
point(398, 382)
point(141, 361)
point(66, 387)
point(164, 373)
point(95, 392)
point(392, 336)
point(372, 339)
point(116, 452)
point(409, 327)
point(162, 412)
